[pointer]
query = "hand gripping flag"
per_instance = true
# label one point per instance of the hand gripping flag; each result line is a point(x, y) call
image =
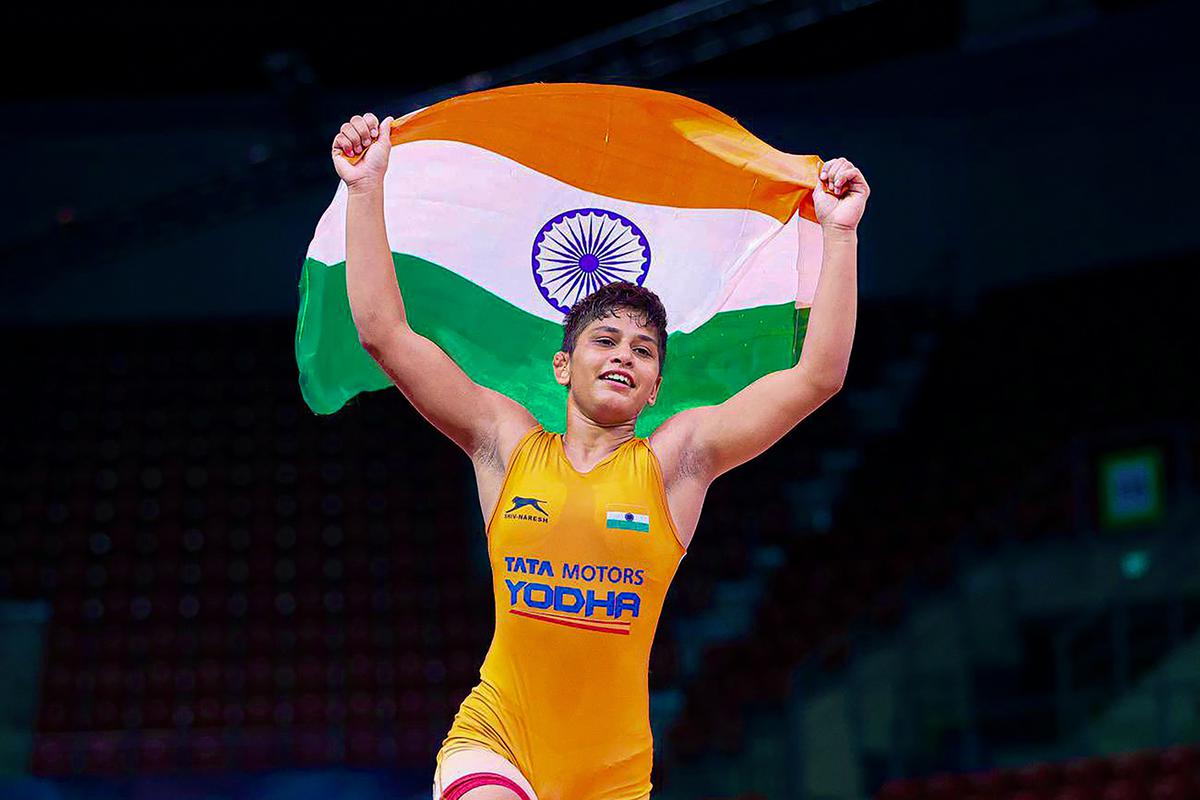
point(505, 207)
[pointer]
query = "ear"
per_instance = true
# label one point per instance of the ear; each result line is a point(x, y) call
point(654, 391)
point(562, 368)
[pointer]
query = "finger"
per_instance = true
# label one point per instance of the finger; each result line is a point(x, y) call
point(825, 183)
point(845, 176)
point(352, 136)
point(849, 178)
point(372, 124)
point(347, 145)
point(835, 170)
point(353, 133)
point(834, 167)
point(827, 168)
point(364, 130)
point(848, 175)
point(340, 142)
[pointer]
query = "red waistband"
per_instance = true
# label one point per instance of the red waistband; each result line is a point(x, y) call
point(476, 779)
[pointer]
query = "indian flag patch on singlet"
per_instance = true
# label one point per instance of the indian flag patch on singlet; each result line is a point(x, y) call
point(627, 518)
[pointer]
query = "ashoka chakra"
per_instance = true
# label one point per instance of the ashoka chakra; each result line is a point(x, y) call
point(579, 251)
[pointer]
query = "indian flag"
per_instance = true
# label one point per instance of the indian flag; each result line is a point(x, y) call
point(505, 207)
point(627, 520)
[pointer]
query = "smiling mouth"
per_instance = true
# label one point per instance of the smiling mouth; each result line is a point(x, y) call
point(620, 380)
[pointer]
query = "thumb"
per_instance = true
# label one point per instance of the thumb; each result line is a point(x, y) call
point(384, 142)
point(385, 131)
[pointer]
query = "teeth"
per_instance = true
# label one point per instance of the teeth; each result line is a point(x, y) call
point(612, 376)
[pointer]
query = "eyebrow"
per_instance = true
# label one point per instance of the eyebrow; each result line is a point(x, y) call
point(618, 331)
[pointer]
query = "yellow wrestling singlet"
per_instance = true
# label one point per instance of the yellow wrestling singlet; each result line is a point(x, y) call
point(580, 567)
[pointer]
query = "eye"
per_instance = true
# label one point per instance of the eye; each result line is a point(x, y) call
point(643, 351)
point(604, 340)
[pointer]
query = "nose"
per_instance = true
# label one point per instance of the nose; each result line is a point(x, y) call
point(623, 356)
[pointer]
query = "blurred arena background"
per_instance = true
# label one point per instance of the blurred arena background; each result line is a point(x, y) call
point(974, 574)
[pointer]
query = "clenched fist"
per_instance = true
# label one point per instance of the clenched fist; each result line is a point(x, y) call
point(842, 197)
point(363, 136)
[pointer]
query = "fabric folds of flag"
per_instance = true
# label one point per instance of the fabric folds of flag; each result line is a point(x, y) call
point(504, 207)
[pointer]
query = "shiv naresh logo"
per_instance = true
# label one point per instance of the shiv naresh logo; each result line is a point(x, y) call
point(533, 503)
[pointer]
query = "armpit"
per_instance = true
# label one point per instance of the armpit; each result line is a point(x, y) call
point(487, 456)
point(689, 465)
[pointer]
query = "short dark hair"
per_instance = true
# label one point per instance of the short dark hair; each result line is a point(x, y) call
point(605, 301)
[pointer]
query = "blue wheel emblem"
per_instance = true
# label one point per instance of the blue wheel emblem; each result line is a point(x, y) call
point(579, 251)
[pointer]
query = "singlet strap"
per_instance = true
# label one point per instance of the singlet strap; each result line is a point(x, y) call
point(476, 779)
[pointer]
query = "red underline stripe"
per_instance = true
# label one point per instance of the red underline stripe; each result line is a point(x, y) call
point(594, 621)
point(622, 631)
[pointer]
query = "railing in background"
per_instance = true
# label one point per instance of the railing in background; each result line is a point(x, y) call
point(1171, 554)
point(1097, 657)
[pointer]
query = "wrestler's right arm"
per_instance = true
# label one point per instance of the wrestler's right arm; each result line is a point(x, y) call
point(474, 417)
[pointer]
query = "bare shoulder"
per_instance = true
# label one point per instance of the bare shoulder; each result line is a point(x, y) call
point(674, 445)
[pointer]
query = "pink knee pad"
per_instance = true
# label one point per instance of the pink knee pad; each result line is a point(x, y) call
point(476, 779)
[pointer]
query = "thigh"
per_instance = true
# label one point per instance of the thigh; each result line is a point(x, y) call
point(463, 761)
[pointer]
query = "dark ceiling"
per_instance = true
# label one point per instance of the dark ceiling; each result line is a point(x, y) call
point(131, 49)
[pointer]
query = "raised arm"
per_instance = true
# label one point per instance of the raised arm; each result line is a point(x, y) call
point(715, 439)
point(473, 416)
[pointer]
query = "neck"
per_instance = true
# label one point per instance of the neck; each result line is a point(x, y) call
point(588, 441)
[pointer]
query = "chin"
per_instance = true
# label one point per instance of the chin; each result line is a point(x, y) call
point(613, 409)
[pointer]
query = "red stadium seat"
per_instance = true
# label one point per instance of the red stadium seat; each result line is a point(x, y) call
point(1181, 760)
point(314, 748)
point(1174, 787)
point(103, 755)
point(259, 711)
point(206, 752)
point(901, 789)
point(1027, 794)
point(1124, 789)
point(208, 712)
point(1088, 772)
point(50, 756)
point(1077, 793)
point(310, 709)
point(156, 753)
point(361, 747)
point(257, 750)
point(1136, 767)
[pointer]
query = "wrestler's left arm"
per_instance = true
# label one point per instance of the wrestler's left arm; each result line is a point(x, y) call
point(718, 438)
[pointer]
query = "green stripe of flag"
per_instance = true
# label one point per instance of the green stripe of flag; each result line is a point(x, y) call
point(509, 350)
point(628, 526)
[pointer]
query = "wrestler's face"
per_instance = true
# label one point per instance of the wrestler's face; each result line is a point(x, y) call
point(614, 371)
